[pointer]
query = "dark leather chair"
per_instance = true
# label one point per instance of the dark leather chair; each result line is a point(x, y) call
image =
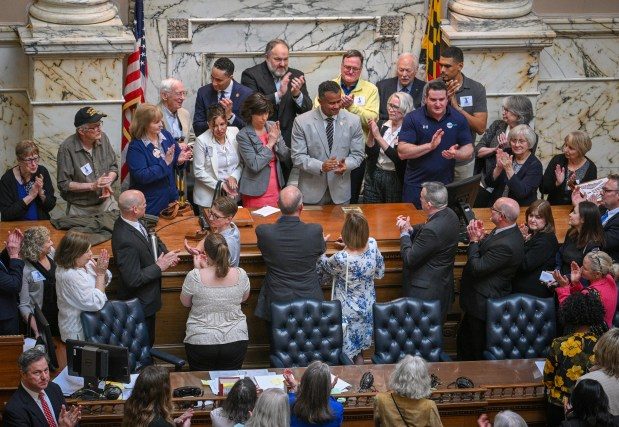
point(122, 323)
point(408, 326)
point(306, 330)
point(519, 326)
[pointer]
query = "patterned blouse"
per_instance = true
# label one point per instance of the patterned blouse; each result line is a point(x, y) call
point(569, 358)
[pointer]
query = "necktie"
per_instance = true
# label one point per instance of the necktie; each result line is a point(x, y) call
point(222, 95)
point(143, 230)
point(404, 89)
point(330, 132)
point(46, 411)
point(604, 217)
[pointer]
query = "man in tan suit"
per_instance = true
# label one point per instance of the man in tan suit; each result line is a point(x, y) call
point(177, 121)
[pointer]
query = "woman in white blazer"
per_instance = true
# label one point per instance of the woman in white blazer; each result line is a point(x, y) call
point(216, 159)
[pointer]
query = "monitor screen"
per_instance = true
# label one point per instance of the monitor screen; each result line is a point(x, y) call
point(100, 361)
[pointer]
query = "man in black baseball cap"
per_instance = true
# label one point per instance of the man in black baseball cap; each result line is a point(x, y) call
point(87, 166)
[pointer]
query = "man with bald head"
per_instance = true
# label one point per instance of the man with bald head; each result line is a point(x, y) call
point(290, 249)
point(140, 269)
point(404, 81)
point(493, 260)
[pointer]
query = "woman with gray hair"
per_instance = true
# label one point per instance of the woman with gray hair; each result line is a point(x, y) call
point(516, 110)
point(384, 173)
point(407, 401)
point(271, 410)
point(518, 174)
point(39, 279)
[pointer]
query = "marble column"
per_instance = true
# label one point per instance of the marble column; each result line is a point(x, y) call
point(491, 8)
point(76, 50)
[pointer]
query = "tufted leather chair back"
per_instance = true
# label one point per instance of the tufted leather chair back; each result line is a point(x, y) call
point(407, 326)
point(519, 326)
point(306, 330)
point(120, 323)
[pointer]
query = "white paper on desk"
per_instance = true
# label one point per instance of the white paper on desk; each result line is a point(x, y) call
point(340, 387)
point(241, 373)
point(29, 342)
point(266, 211)
point(270, 381)
point(540, 368)
point(68, 383)
point(212, 384)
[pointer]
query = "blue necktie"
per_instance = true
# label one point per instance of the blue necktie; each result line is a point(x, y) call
point(604, 217)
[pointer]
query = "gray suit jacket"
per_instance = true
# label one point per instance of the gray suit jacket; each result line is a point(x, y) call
point(256, 158)
point(429, 259)
point(310, 149)
point(290, 249)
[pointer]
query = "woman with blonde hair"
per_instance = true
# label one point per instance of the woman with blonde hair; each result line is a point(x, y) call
point(80, 283)
point(566, 170)
point(39, 279)
point(407, 401)
point(352, 272)
point(152, 157)
point(150, 403)
point(216, 337)
point(271, 410)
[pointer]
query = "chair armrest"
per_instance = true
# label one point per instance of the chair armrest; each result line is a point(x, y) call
point(276, 362)
point(378, 360)
point(444, 357)
point(489, 356)
point(345, 360)
point(167, 357)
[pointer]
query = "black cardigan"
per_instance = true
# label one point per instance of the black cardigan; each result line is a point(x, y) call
point(13, 208)
point(372, 158)
point(557, 195)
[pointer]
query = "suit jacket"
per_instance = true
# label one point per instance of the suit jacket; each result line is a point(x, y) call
point(256, 158)
point(140, 277)
point(11, 272)
point(310, 149)
point(21, 410)
point(183, 117)
point(611, 237)
point(429, 258)
point(388, 87)
point(208, 96)
point(540, 252)
point(290, 249)
point(259, 79)
point(206, 165)
point(522, 185)
point(489, 270)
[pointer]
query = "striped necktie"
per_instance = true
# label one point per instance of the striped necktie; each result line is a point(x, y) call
point(330, 132)
point(46, 411)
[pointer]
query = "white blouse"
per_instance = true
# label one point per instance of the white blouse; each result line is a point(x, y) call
point(75, 288)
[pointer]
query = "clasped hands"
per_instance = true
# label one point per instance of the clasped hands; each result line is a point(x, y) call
point(296, 83)
point(334, 165)
point(450, 153)
point(403, 223)
point(475, 230)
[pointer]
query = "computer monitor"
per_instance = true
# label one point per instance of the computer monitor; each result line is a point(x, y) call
point(461, 197)
point(97, 362)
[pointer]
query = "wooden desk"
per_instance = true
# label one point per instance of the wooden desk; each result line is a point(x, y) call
point(499, 385)
point(172, 318)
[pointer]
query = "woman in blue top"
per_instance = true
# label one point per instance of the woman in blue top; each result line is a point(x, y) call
point(311, 403)
point(152, 157)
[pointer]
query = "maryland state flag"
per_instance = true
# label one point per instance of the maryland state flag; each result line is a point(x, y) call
point(432, 40)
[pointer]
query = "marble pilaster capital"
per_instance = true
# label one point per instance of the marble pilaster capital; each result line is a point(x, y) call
point(491, 8)
point(73, 12)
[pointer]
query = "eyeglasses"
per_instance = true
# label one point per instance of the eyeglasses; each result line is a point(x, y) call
point(95, 126)
point(607, 190)
point(519, 141)
point(493, 209)
point(213, 215)
point(351, 68)
point(507, 110)
point(393, 107)
point(32, 160)
point(181, 93)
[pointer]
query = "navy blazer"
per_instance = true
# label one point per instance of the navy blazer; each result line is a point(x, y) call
point(522, 185)
point(208, 96)
point(388, 87)
point(21, 409)
point(11, 271)
point(611, 237)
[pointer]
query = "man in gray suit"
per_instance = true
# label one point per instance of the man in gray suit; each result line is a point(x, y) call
point(429, 250)
point(290, 249)
point(327, 144)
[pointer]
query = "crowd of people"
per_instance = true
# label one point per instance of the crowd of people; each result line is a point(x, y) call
point(264, 141)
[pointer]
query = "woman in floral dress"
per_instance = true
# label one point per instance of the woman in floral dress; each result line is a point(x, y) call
point(352, 271)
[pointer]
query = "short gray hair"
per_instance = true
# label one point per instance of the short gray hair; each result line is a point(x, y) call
point(272, 409)
point(406, 102)
point(509, 419)
point(436, 193)
point(521, 106)
point(410, 378)
point(168, 84)
point(29, 357)
point(526, 131)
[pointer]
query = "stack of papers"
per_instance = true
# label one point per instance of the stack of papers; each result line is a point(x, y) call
point(340, 387)
point(266, 211)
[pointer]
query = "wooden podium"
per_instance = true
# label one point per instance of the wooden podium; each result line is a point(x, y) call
point(11, 346)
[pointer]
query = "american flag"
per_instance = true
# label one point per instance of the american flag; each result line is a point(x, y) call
point(135, 81)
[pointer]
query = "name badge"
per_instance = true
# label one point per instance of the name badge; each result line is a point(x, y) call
point(37, 276)
point(466, 101)
point(359, 100)
point(86, 169)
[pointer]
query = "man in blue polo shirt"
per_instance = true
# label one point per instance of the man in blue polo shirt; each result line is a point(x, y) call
point(432, 139)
